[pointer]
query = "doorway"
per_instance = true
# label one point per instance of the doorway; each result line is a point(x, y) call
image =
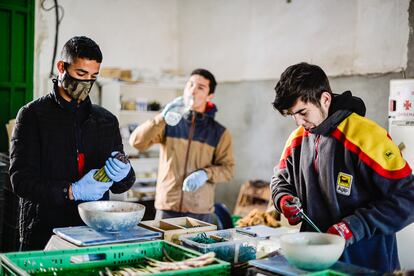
point(16, 60)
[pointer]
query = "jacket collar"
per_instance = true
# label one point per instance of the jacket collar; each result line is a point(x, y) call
point(211, 109)
point(200, 117)
point(341, 107)
point(210, 112)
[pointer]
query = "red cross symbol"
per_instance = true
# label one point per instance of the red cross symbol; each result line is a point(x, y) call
point(407, 105)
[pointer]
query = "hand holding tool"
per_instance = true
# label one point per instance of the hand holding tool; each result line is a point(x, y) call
point(290, 207)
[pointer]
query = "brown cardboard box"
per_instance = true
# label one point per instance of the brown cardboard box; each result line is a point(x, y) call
point(110, 72)
point(252, 195)
point(9, 128)
point(126, 75)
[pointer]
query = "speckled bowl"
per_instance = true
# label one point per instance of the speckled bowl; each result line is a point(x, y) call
point(111, 216)
point(312, 251)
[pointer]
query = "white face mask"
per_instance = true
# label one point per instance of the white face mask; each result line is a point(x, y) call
point(77, 89)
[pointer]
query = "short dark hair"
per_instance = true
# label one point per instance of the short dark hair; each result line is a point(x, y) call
point(81, 47)
point(206, 74)
point(303, 80)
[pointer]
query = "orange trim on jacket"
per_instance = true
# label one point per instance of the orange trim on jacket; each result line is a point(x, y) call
point(294, 140)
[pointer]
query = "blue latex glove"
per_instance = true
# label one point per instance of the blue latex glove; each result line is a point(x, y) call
point(87, 188)
point(174, 104)
point(194, 181)
point(116, 169)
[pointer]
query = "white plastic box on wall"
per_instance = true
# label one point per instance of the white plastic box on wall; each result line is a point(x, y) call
point(401, 100)
point(401, 129)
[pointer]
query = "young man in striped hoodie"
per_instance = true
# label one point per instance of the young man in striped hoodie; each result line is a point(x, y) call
point(342, 169)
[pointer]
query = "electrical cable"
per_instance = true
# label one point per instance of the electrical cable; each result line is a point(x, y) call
point(58, 10)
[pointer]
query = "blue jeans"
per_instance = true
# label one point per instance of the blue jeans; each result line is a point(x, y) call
point(162, 214)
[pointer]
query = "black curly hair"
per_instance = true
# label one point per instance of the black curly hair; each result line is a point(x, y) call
point(81, 47)
point(302, 81)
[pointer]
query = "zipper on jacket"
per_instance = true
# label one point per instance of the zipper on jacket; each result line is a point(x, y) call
point(77, 150)
point(315, 161)
point(78, 139)
point(190, 138)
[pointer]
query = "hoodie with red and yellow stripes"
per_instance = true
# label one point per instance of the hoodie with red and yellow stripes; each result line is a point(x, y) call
point(349, 170)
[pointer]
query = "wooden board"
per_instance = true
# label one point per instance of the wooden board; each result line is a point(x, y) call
point(173, 228)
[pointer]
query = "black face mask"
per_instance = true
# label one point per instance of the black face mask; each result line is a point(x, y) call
point(77, 89)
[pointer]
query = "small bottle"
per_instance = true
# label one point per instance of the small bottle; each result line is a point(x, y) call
point(174, 115)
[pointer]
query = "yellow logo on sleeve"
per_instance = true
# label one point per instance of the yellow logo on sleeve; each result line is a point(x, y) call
point(344, 184)
point(389, 154)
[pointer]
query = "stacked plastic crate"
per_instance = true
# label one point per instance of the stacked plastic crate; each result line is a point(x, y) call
point(2, 175)
point(9, 209)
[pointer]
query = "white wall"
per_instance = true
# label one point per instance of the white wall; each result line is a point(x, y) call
point(258, 39)
point(235, 39)
point(131, 34)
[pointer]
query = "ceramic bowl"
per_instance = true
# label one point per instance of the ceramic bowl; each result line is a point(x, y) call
point(312, 251)
point(111, 216)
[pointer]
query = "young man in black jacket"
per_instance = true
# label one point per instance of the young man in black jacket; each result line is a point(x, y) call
point(58, 143)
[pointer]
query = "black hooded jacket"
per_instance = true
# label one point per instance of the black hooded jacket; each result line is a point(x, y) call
point(49, 133)
point(342, 106)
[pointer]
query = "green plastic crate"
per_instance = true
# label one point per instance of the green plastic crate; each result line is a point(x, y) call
point(235, 219)
point(91, 260)
point(327, 272)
